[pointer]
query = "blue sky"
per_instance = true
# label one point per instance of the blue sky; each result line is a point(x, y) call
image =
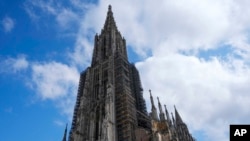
point(194, 58)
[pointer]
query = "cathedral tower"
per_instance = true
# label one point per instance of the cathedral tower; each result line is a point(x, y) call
point(109, 97)
point(110, 104)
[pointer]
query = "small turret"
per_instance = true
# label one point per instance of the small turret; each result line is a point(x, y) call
point(168, 117)
point(162, 116)
point(154, 111)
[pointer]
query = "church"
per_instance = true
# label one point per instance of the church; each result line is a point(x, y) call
point(110, 105)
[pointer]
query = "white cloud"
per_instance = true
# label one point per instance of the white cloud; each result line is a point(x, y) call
point(65, 17)
point(8, 24)
point(20, 64)
point(14, 64)
point(53, 80)
point(58, 82)
point(59, 123)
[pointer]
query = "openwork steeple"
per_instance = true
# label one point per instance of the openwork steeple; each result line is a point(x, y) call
point(110, 42)
point(110, 21)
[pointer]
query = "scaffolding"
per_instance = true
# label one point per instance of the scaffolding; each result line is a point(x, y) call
point(78, 98)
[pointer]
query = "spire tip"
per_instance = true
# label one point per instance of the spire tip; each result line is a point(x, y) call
point(110, 7)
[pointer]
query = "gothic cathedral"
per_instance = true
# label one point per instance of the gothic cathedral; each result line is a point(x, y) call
point(110, 104)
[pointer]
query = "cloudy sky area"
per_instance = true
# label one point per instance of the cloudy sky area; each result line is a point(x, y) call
point(193, 54)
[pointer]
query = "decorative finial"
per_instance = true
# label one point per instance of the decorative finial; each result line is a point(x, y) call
point(150, 92)
point(110, 7)
point(172, 115)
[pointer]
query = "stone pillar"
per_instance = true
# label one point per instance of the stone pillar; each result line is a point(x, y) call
point(110, 113)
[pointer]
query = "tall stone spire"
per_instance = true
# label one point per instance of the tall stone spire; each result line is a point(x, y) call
point(152, 100)
point(177, 117)
point(168, 117)
point(159, 105)
point(65, 133)
point(153, 110)
point(162, 116)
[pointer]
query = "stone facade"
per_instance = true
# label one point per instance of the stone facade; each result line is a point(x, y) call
point(110, 104)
